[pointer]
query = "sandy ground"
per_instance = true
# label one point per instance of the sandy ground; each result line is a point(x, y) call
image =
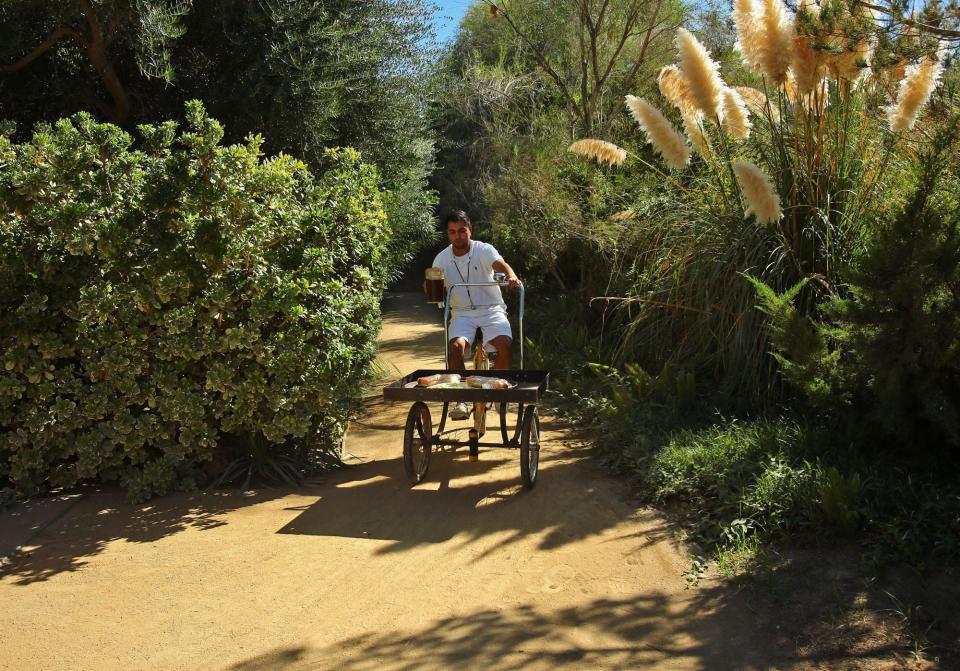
point(358, 571)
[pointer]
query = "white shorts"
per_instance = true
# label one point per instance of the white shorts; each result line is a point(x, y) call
point(492, 323)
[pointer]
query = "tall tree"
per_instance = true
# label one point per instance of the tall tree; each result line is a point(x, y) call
point(526, 78)
point(592, 51)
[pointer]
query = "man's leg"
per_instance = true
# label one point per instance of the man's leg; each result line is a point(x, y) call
point(458, 350)
point(504, 346)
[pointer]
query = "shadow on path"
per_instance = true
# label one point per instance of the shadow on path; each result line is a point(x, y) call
point(708, 631)
point(469, 500)
point(631, 633)
point(102, 518)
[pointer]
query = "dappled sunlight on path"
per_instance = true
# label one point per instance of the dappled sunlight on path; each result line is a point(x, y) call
point(356, 570)
point(643, 631)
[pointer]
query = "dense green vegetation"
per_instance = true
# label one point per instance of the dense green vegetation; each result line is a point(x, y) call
point(304, 75)
point(171, 297)
point(175, 299)
point(760, 312)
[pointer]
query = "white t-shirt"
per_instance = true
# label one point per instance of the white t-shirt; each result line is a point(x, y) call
point(474, 266)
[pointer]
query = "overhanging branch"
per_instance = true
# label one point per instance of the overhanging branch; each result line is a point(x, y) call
point(58, 34)
point(926, 27)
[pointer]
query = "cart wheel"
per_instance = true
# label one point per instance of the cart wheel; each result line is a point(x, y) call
point(530, 447)
point(417, 442)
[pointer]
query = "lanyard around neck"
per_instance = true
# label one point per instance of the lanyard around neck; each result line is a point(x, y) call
point(467, 278)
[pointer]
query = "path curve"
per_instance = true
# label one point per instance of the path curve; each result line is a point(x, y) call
point(358, 571)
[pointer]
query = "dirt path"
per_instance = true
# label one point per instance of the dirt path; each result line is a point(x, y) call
point(358, 571)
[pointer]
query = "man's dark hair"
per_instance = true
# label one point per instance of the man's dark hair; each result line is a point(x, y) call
point(458, 215)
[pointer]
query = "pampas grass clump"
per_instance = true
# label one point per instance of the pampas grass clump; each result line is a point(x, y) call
point(702, 72)
point(915, 89)
point(735, 120)
point(661, 133)
point(600, 151)
point(759, 198)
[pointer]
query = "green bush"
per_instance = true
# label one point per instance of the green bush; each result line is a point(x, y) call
point(736, 479)
point(884, 360)
point(158, 301)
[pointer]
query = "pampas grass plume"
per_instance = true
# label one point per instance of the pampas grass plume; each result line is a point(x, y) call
point(759, 198)
point(776, 37)
point(745, 18)
point(806, 62)
point(915, 89)
point(600, 151)
point(675, 88)
point(702, 72)
point(735, 120)
point(852, 64)
point(756, 102)
point(661, 133)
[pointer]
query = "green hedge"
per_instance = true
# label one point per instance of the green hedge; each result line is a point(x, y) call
point(155, 301)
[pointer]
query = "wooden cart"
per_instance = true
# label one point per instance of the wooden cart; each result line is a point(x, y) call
point(420, 439)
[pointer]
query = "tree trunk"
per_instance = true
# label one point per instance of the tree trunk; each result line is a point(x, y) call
point(97, 52)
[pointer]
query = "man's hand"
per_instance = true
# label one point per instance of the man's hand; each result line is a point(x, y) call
point(502, 266)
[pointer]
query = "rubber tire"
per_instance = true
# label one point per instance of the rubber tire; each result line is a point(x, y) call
point(530, 447)
point(418, 420)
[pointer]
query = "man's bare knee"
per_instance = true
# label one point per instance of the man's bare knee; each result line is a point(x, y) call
point(457, 348)
point(503, 345)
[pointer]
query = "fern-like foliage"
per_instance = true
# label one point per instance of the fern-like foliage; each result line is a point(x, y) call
point(885, 354)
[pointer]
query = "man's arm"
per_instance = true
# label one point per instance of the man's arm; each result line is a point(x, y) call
point(502, 266)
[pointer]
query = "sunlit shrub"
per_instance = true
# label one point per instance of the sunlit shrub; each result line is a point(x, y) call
point(155, 300)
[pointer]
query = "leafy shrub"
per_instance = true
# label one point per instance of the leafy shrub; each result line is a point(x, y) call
point(886, 359)
point(840, 498)
point(784, 495)
point(915, 519)
point(737, 479)
point(157, 300)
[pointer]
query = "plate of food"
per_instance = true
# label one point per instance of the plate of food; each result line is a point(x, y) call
point(455, 381)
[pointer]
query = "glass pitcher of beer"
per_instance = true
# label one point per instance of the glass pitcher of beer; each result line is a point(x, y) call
point(434, 285)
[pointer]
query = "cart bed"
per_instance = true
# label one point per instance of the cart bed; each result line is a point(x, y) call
point(530, 386)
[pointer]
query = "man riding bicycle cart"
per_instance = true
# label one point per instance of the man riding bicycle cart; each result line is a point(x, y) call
point(467, 276)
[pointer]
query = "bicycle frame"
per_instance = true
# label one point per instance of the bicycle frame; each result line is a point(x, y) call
point(446, 316)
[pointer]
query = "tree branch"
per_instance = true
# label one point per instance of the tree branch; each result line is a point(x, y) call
point(935, 30)
point(538, 56)
point(585, 106)
point(97, 51)
point(631, 20)
point(58, 34)
point(647, 39)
